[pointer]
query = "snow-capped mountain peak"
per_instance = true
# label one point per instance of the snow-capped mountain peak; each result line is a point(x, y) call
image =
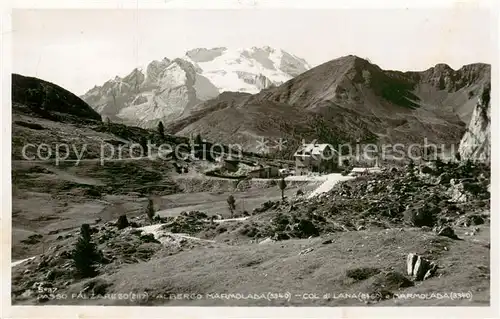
point(163, 89)
point(244, 70)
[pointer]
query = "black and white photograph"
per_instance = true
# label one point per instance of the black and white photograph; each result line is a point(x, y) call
point(251, 157)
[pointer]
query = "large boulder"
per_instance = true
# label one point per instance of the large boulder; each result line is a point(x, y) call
point(419, 267)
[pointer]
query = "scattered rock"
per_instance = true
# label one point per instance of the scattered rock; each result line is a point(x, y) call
point(431, 271)
point(32, 239)
point(457, 193)
point(470, 220)
point(96, 287)
point(419, 268)
point(328, 241)
point(51, 275)
point(266, 206)
point(426, 170)
point(27, 293)
point(149, 238)
point(411, 259)
point(447, 231)
point(306, 251)
point(444, 179)
point(383, 283)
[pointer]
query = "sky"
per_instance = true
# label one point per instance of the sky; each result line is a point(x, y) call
point(78, 49)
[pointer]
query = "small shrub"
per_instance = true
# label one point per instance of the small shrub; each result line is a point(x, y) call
point(136, 232)
point(422, 216)
point(148, 238)
point(221, 229)
point(282, 186)
point(92, 192)
point(362, 273)
point(280, 222)
point(97, 286)
point(306, 228)
point(231, 202)
point(150, 210)
point(85, 254)
point(161, 130)
point(122, 222)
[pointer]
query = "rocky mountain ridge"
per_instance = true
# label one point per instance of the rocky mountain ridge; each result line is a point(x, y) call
point(350, 98)
point(164, 89)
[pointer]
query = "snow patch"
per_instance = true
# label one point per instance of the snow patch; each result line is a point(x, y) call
point(18, 262)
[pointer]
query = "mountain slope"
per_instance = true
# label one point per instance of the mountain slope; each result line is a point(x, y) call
point(38, 96)
point(165, 89)
point(350, 98)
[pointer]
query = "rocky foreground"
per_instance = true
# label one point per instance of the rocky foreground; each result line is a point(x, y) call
point(433, 195)
point(420, 217)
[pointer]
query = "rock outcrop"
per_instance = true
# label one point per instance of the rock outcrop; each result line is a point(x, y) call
point(476, 142)
point(419, 268)
point(143, 99)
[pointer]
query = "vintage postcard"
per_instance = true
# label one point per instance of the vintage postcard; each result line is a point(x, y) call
point(275, 158)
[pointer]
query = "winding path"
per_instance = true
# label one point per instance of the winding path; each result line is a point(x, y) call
point(331, 180)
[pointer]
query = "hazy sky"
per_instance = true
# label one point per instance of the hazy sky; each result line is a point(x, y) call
point(78, 49)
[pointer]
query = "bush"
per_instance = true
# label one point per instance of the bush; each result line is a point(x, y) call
point(85, 254)
point(280, 222)
point(149, 238)
point(97, 286)
point(150, 210)
point(122, 222)
point(422, 216)
point(231, 203)
point(282, 185)
point(161, 129)
point(306, 228)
